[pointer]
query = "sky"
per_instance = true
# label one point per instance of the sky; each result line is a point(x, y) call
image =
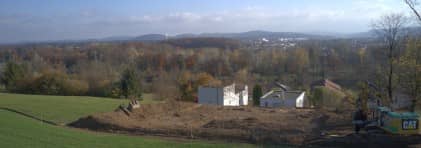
point(41, 20)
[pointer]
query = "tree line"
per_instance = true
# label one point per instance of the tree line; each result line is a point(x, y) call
point(175, 69)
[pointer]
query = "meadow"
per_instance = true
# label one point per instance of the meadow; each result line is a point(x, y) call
point(20, 131)
point(17, 130)
point(62, 109)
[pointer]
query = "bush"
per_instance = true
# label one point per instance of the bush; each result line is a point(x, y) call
point(101, 88)
point(324, 97)
point(12, 73)
point(115, 90)
point(52, 83)
point(75, 87)
point(25, 85)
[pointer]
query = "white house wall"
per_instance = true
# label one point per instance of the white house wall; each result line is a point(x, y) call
point(300, 100)
point(230, 97)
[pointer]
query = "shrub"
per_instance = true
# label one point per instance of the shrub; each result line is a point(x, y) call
point(55, 83)
point(74, 87)
point(115, 90)
point(101, 88)
point(324, 97)
point(12, 73)
point(50, 84)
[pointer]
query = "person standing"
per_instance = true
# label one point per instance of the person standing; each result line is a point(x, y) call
point(358, 120)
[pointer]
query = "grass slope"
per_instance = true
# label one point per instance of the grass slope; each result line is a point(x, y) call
point(58, 109)
point(20, 131)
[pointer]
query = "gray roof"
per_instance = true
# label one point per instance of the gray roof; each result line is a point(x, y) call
point(283, 87)
point(281, 94)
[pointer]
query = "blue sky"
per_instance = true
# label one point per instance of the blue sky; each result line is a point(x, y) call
point(38, 20)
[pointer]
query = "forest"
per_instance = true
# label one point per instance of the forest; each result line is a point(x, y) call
point(174, 69)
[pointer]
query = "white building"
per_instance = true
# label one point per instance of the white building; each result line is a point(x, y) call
point(225, 96)
point(283, 98)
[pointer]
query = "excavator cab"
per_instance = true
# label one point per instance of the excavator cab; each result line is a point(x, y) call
point(404, 123)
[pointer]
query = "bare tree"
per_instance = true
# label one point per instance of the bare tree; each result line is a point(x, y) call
point(411, 4)
point(389, 29)
point(415, 89)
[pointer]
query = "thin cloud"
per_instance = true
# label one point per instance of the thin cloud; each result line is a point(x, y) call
point(354, 17)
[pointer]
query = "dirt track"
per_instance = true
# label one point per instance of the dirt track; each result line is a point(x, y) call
point(243, 124)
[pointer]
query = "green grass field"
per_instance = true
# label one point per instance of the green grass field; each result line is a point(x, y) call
point(17, 131)
point(62, 109)
point(58, 109)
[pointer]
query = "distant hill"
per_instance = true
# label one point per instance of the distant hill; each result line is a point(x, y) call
point(203, 42)
point(242, 36)
point(117, 38)
point(258, 35)
point(368, 34)
point(186, 35)
point(266, 34)
point(254, 35)
point(150, 37)
point(409, 31)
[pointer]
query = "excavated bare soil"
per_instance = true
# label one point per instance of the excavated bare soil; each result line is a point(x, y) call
point(300, 127)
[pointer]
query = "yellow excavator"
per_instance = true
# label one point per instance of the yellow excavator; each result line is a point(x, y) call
point(402, 123)
point(383, 118)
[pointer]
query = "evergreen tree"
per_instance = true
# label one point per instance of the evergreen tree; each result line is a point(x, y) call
point(257, 93)
point(12, 73)
point(130, 84)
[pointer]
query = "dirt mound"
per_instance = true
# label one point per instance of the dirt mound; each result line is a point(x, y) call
point(250, 124)
point(233, 123)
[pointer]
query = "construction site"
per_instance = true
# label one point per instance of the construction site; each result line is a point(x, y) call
point(296, 127)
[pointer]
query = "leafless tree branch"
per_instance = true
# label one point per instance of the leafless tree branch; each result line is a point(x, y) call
point(389, 28)
point(411, 4)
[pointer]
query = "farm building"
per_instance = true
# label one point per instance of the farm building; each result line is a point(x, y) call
point(283, 97)
point(224, 96)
